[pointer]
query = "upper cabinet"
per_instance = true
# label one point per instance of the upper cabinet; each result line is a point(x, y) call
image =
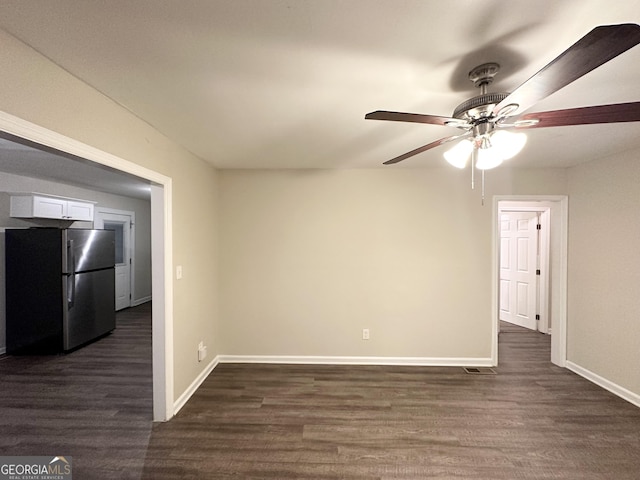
point(49, 206)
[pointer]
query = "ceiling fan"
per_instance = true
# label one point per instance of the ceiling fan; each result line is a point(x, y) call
point(486, 119)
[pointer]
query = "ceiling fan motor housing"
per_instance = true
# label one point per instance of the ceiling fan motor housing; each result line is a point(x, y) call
point(479, 107)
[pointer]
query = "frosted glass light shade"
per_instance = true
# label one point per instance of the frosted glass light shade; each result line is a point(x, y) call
point(508, 144)
point(504, 145)
point(493, 150)
point(488, 158)
point(459, 153)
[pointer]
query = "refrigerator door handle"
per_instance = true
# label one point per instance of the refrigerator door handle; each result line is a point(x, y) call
point(71, 290)
point(71, 274)
point(71, 255)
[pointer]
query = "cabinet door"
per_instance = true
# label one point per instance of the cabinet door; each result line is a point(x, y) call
point(45, 207)
point(79, 211)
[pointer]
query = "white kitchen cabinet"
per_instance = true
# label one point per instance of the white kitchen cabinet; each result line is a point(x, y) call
point(49, 206)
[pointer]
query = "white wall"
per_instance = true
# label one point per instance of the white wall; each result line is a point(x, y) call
point(310, 258)
point(604, 269)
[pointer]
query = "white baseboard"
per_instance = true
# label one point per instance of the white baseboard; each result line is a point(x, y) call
point(321, 360)
point(140, 301)
point(331, 360)
point(614, 388)
point(186, 395)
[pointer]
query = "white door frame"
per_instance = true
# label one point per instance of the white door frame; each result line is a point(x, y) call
point(532, 265)
point(161, 247)
point(544, 211)
point(558, 223)
point(99, 223)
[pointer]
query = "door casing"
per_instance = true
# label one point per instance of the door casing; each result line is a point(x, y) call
point(558, 206)
point(127, 219)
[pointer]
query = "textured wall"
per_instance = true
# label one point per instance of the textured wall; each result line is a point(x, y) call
point(604, 269)
point(310, 258)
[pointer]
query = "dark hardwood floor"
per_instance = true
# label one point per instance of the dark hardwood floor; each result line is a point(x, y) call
point(93, 404)
point(531, 420)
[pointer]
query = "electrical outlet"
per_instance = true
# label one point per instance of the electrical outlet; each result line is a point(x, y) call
point(202, 351)
point(178, 272)
point(365, 334)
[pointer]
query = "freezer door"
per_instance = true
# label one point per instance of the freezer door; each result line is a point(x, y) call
point(88, 250)
point(90, 302)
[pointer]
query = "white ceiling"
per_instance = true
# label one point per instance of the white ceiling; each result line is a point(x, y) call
point(286, 83)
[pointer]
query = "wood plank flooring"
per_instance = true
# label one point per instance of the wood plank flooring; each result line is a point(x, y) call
point(531, 420)
point(93, 404)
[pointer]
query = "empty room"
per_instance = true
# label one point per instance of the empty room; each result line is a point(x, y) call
point(374, 239)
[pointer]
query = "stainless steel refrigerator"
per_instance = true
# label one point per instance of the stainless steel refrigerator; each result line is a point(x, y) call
point(60, 288)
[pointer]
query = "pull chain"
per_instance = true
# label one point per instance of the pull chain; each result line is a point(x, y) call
point(474, 153)
point(474, 158)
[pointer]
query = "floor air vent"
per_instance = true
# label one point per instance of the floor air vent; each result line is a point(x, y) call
point(480, 370)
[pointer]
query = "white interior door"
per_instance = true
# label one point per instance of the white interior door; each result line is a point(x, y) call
point(121, 224)
point(518, 265)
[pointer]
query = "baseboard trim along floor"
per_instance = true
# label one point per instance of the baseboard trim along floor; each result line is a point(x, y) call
point(387, 361)
point(326, 360)
point(187, 394)
point(354, 360)
point(614, 388)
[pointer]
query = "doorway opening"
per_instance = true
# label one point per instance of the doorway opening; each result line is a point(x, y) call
point(530, 268)
point(160, 187)
point(123, 224)
point(524, 265)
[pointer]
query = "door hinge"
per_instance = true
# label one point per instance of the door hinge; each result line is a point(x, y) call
point(537, 317)
point(538, 227)
point(538, 272)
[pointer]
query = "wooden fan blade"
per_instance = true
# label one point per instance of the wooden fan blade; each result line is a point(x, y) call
point(413, 117)
point(594, 49)
point(614, 113)
point(423, 148)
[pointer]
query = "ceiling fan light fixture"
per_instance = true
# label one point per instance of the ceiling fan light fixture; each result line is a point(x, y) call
point(485, 116)
point(458, 155)
point(500, 146)
point(508, 144)
point(488, 158)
